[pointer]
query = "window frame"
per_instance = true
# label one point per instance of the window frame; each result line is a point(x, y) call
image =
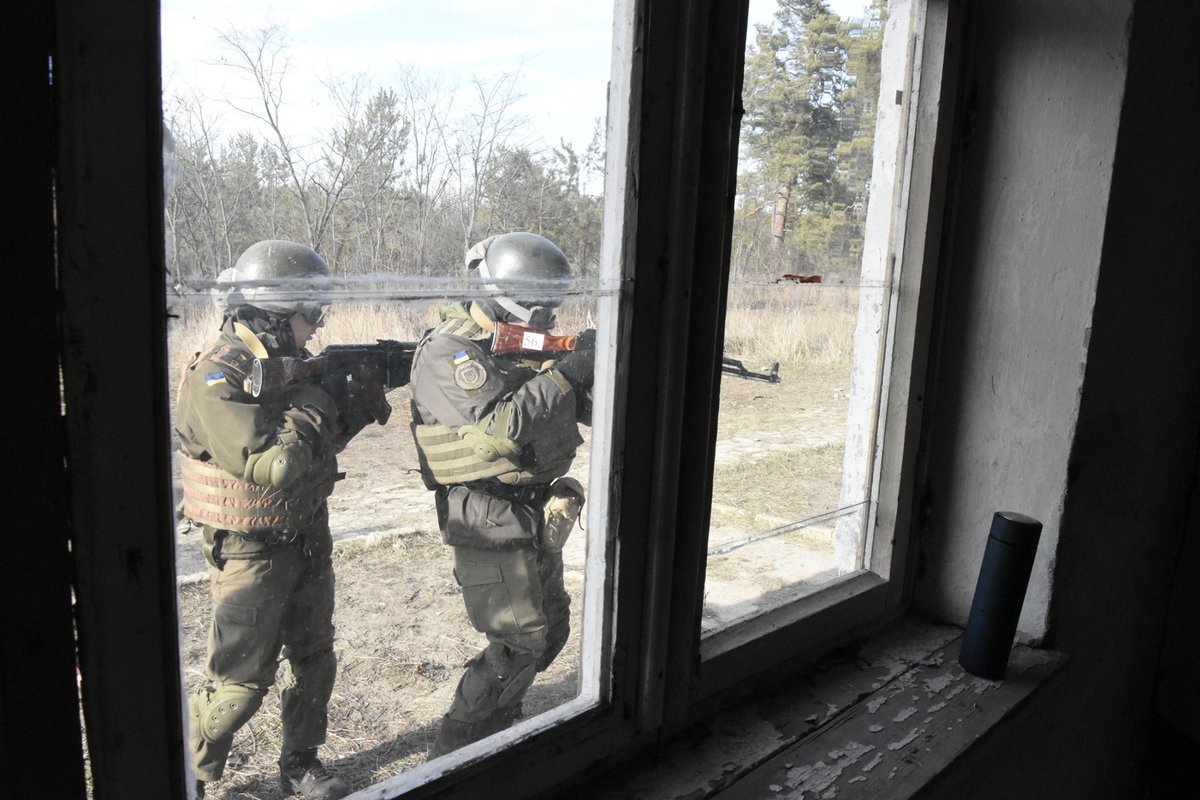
point(856, 603)
point(680, 66)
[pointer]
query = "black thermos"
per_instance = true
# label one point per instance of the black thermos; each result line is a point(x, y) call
point(999, 594)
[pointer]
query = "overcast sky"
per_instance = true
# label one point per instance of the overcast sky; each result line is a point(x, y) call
point(560, 47)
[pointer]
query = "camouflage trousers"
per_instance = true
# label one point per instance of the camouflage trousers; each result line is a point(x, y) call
point(517, 599)
point(270, 601)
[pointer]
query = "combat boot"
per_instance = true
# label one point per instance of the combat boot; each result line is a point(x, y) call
point(301, 773)
point(199, 790)
point(455, 734)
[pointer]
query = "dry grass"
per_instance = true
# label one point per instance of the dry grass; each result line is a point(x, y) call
point(816, 469)
point(803, 326)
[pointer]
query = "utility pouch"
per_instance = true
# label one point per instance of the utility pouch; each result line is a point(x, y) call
point(212, 547)
point(562, 509)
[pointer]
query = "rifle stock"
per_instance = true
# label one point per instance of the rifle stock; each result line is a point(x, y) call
point(510, 339)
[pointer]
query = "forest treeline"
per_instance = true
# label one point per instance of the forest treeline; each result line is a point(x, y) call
point(404, 176)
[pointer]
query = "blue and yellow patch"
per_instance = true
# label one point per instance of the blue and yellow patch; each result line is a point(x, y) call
point(214, 378)
point(462, 357)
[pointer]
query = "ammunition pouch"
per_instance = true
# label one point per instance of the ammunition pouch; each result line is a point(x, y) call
point(562, 510)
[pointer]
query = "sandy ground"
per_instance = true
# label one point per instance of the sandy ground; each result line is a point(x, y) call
point(402, 635)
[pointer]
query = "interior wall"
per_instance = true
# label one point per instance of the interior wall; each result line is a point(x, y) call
point(1044, 81)
point(1103, 449)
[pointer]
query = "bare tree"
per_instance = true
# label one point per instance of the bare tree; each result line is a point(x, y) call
point(428, 104)
point(361, 160)
point(364, 143)
point(261, 56)
point(212, 191)
point(489, 129)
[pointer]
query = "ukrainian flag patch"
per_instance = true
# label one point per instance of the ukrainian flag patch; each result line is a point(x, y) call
point(462, 357)
point(214, 378)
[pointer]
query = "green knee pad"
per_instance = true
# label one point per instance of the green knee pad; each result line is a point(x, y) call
point(224, 709)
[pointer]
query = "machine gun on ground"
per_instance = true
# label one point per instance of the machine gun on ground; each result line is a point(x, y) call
point(357, 375)
point(734, 366)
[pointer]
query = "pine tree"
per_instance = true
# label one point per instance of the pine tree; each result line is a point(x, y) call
point(811, 85)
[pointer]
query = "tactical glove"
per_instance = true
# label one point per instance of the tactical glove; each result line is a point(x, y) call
point(313, 398)
point(280, 465)
point(578, 365)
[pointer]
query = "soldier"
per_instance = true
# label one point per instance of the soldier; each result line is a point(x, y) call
point(495, 436)
point(256, 474)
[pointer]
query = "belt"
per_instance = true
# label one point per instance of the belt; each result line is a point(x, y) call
point(527, 494)
point(272, 538)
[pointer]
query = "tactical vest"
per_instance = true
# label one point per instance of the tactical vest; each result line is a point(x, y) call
point(214, 497)
point(468, 453)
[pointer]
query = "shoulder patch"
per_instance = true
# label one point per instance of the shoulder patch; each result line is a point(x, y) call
point(214, 378)
point(469, 374)
point(235, 361)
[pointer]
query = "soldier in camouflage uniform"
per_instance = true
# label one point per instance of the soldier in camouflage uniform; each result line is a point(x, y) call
point(256, 474)
point(496, 436)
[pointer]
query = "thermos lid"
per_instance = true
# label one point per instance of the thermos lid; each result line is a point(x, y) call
point(1016, 529)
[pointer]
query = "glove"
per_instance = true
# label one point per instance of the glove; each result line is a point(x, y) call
point(310, 397)
point(280, 465)
point(578, 365)
point(361, 399)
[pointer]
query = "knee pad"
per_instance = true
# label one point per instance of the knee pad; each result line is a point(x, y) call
point(224, 709)
point(514, 660)
point(515, 686)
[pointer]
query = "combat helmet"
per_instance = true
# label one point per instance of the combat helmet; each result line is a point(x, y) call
point(527, 271)
point(277, 276)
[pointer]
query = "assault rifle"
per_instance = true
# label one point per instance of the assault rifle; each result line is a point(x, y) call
point(357, 375)
point(733, 366)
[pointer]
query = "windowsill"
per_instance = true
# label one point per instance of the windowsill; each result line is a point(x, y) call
point(879, 723)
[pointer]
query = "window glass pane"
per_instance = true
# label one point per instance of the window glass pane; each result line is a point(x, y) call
point(807, 316)
point(385, 141)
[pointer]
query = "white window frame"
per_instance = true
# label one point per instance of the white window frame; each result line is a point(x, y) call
point(901, 252)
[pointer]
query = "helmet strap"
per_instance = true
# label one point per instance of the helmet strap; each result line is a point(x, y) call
point(507, 303)
point(480, 315)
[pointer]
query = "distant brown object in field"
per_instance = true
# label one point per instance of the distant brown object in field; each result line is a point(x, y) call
point(801, 278)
